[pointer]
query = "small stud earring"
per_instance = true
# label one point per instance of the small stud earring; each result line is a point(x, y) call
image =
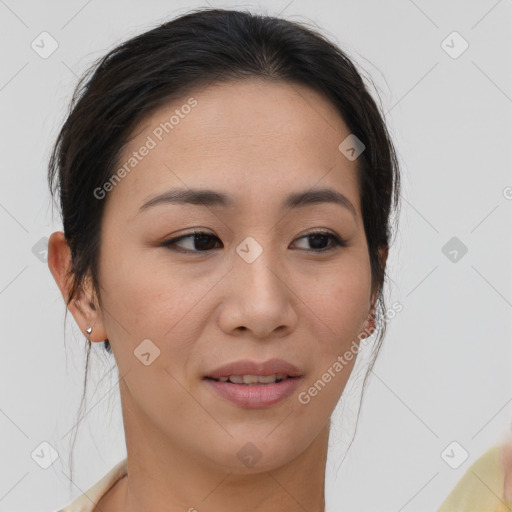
point(89, 330)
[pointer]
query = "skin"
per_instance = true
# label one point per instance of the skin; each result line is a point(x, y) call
point(506, 462)
point(257, 142)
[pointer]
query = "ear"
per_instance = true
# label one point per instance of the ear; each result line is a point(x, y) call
point(369, 325)
point(84, 307)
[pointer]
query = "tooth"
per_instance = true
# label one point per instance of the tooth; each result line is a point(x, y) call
point(267, 379)
point(254, 379)
point(250, 379)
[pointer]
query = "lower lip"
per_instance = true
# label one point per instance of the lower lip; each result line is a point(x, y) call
point(255, 396)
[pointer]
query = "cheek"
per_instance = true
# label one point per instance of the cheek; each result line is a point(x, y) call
point(338, 307)
point(339, 303)
point(148, 298)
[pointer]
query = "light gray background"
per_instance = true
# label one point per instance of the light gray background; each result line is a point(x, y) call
point(444, 372)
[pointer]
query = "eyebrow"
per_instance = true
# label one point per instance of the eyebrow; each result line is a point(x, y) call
point(205, 197)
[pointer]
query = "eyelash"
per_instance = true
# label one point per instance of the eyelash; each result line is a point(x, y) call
point(336, 241)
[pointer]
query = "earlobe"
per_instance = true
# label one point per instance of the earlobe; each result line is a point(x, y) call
point(59, 263)
point(369, 324)
point(383, 255)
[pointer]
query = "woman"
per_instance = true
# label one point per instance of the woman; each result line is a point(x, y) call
point(226, 185)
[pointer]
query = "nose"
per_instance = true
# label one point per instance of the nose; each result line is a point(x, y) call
point(259, 298)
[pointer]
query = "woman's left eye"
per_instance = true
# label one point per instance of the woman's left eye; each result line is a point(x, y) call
point(319, 237)
point(202, 239)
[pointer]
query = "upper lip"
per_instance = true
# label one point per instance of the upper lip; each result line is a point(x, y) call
point(248, 367)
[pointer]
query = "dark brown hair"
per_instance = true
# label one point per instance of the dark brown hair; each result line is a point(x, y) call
point(203, 47)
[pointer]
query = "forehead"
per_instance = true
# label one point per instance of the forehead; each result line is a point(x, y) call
point(253, 137)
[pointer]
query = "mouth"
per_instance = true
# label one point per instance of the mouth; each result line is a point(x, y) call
point(255, 385)
point(251, 372)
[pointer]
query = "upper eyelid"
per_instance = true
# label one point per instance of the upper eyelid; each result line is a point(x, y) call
point(318, 231)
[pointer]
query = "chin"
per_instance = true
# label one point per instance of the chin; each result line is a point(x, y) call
point(252, 451)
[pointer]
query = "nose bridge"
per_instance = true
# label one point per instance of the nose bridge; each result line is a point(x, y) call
point(257, 268)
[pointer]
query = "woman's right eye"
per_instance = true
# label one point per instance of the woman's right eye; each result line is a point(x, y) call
point(199, 241)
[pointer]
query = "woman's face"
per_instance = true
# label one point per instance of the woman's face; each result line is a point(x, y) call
point(254, 286)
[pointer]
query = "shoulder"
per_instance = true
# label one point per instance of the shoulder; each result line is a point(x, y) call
point(87, 501)
point(481, 488)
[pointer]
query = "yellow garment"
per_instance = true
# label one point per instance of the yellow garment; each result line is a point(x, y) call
point(87, 501)
point(481, 488)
